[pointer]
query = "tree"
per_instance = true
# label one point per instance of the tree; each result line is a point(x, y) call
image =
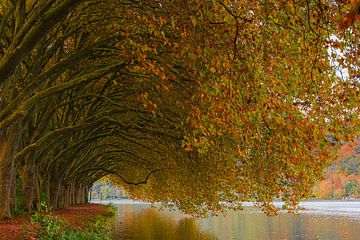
point(204, 101)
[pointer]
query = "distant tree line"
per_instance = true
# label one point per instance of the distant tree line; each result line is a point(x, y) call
point(342, 178)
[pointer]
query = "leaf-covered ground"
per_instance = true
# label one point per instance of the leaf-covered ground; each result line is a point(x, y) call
point(76, 216)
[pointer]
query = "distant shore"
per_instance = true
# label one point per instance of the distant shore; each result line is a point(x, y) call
point(310, 206)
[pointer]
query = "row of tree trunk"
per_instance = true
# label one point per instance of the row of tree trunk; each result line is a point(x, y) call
point(38, 44)
point(24, 188)
point(78, 101)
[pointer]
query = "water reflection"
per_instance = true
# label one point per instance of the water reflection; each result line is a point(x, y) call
point(251, 224)
point(135, 222)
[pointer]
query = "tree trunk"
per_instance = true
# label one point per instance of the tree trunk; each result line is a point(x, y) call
point(78, 193)
point(61, 198)
point(55, 188)
point(66, 196)
point(71, 194)
point(8, 146)
point(85, 198)
point(13, 202)
point(28, 181)
point(36, 195)
point(45, 187)
point(55, 194)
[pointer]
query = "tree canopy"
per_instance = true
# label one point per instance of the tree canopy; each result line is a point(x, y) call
point(196, 103)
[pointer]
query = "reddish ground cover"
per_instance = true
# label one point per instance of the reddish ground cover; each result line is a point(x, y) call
point(77, 216)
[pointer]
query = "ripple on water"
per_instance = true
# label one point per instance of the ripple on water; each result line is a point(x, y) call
point(141, 221)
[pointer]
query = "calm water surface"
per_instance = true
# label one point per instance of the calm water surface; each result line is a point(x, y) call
point(321, 220)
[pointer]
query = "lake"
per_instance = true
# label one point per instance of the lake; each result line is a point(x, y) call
point(321, 220)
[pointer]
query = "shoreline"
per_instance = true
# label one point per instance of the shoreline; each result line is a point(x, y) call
point(77, 217)
point(347, 208)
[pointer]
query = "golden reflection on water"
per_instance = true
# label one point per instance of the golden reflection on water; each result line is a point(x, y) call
point(141, 222)
point(146, 223)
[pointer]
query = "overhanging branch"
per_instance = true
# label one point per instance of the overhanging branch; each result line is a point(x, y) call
point(122, 178)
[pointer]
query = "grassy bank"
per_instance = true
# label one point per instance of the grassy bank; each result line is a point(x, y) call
point(88, 221)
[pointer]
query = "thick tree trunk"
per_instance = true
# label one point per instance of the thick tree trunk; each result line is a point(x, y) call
point(68, 195)
point(45, 187)
point(61, 197)
point(65, 196)
point(78, 193)
point(87, 191)
point(84, 194)
point(8, 147)
point(87, 194)
point(13, 202)
point(36, 195)
point(71, 194)
point(55, 188)
point(55, 192)
point(28, 182)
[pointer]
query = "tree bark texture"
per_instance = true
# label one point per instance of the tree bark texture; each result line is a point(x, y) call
point(36, 195)
point(28, 182)
point(13, 202)
point(54, 188)
point(8, 146)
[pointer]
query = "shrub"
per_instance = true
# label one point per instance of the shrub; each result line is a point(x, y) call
point(52, 228)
